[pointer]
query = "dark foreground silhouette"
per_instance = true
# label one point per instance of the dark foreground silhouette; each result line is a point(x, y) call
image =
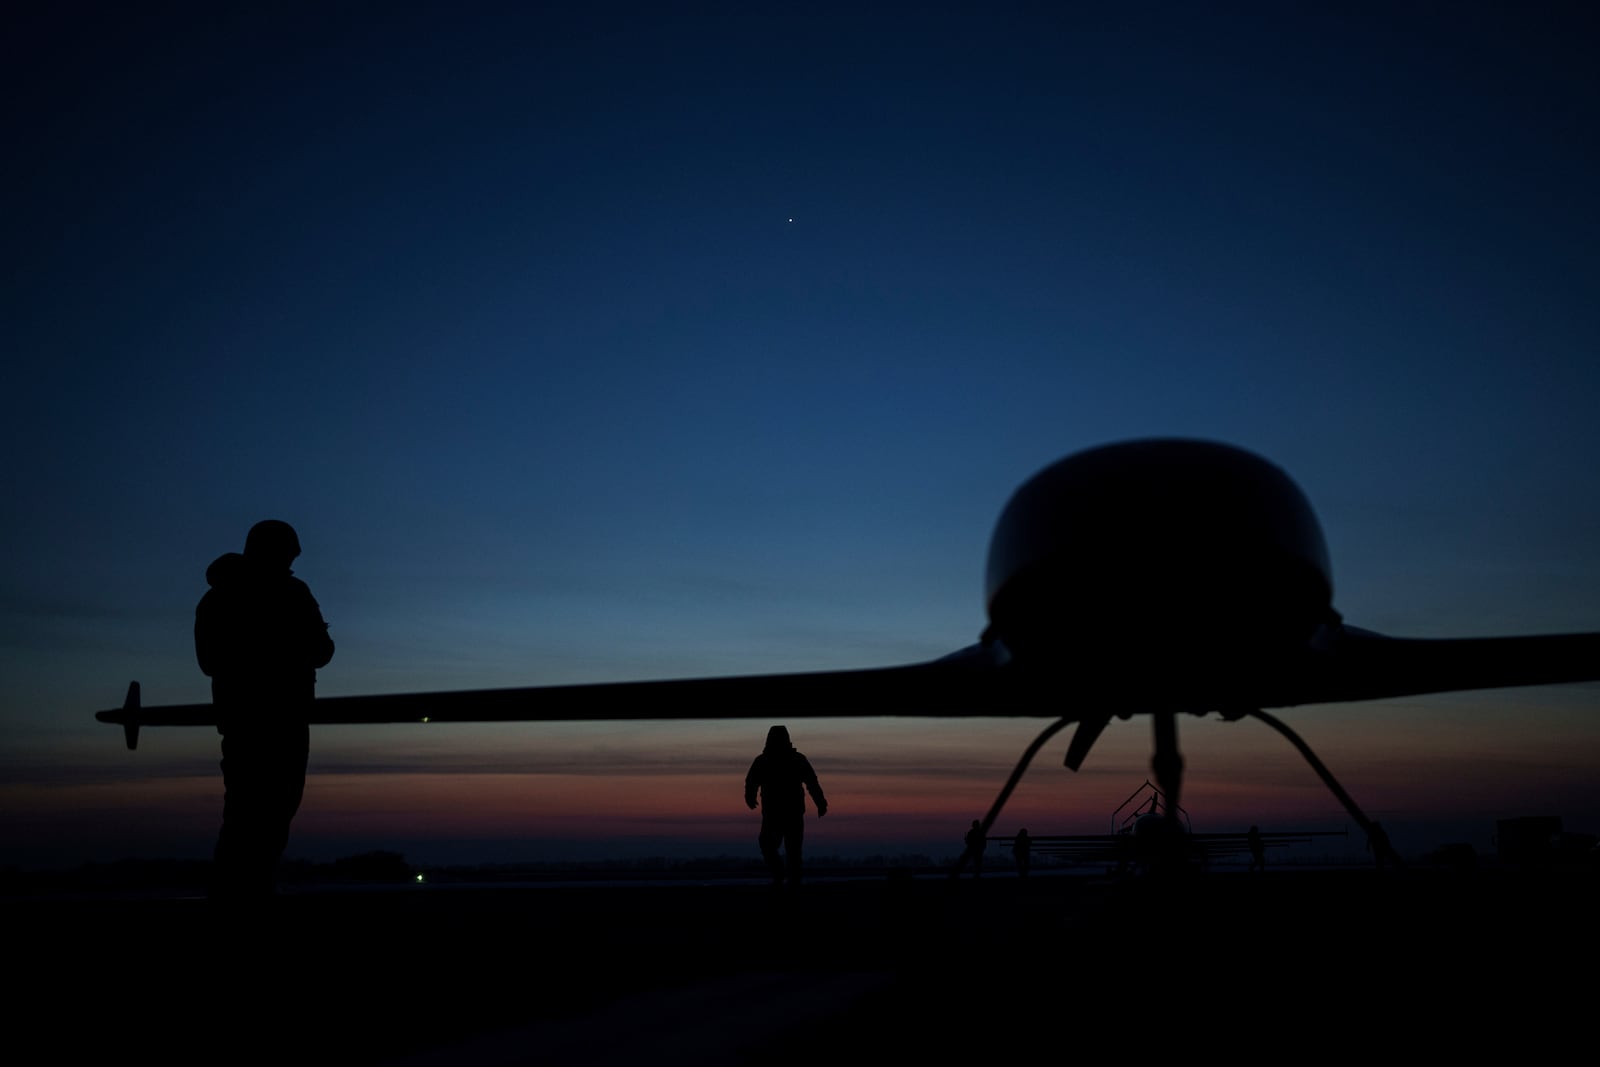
point(863, 970)
point(259, 635)
point(782, 776)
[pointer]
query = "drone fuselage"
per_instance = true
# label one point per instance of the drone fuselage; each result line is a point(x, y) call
point(1162, 564)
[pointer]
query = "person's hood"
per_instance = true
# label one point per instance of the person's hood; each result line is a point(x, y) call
point(778, 739)
point(227, 569)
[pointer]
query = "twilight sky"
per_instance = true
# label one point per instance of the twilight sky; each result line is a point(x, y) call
point(652, 341)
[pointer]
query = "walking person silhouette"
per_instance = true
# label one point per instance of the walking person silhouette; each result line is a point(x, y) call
point(782, 776)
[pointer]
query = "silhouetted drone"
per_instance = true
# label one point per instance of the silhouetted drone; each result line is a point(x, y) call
point(1161, 576)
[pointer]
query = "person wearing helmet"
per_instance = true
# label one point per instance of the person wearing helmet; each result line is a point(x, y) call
point(782, 776)
point(260, 637)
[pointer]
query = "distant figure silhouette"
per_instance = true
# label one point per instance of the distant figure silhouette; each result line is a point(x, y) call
point(1258, 850)
point(1022, 849)
point(782, 776)
point(976, 842)
point(259, 635)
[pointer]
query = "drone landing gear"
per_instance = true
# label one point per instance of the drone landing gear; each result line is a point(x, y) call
point(1376, 838)
point(1161, 843)
point(1166, 848)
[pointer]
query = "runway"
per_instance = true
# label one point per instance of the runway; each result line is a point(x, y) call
point(900, 968)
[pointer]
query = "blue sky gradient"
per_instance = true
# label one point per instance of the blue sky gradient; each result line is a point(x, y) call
point(651, 342)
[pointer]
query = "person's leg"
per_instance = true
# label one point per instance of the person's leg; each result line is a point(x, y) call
point(264, 780)
point(792, 846)
point(771, 837)
point(246, 822)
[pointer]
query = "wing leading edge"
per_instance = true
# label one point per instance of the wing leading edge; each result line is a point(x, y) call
point(976, 682)
point(968, 683)
point(1363, 665)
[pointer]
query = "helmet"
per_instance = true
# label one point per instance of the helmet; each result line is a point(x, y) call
point(272, 542)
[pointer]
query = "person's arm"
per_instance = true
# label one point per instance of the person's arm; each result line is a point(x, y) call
point(319, 645)
point(815, 788)
point(752, 781)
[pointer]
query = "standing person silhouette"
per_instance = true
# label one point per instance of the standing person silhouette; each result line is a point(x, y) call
point(1258, 850)
point(976, 841)
point(781, 776)
point(260, 637)
point(1022, 851)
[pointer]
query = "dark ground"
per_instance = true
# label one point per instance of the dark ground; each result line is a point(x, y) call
point(1289, 963)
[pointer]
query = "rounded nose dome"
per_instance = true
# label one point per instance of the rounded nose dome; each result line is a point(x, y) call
point(1121, 544)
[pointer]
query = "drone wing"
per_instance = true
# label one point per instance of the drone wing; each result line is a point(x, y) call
point(1363, 665)
point(975, 682)
point(970, 682)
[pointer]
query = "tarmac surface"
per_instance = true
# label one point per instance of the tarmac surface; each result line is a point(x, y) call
point(1314, 963)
